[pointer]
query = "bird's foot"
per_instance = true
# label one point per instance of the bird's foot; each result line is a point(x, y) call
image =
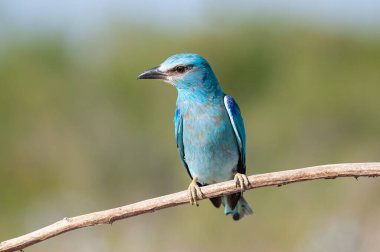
point(195, 192)
point(241, 181)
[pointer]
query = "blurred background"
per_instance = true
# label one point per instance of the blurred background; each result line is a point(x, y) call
point(79, 134)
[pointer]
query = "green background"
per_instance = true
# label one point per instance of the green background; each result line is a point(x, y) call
point(80, 134)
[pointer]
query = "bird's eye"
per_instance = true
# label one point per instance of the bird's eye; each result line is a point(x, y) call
point(180, 69)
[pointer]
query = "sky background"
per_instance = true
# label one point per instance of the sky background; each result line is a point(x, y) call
point(85, 16)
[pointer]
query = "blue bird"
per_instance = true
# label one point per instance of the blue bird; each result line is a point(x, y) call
point(209, 129)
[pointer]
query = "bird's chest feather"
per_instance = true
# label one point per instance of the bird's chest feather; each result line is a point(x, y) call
point(211, 151)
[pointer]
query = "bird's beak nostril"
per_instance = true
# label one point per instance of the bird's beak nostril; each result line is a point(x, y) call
point(153, 73)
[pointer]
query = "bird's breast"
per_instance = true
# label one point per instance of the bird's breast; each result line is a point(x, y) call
point(210, 146)
point(204, 124)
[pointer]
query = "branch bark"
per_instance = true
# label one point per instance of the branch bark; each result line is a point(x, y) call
point(330, 171)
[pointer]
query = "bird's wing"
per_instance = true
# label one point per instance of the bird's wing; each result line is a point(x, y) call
point(179, 137)
point(238, 125)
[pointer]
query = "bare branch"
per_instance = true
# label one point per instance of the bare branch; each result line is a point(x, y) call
point(171, 200)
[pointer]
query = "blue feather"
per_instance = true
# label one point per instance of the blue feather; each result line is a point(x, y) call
point(209, 128)
point(238, 125)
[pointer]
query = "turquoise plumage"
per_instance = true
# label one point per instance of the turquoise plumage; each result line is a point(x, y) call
point(209, 128)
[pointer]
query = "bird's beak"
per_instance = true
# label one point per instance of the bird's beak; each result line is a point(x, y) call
point(152, 73)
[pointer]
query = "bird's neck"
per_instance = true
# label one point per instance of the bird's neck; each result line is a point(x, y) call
point(207, 91)
point(200, 96)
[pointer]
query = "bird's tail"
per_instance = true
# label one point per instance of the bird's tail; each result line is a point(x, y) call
point(241, 209)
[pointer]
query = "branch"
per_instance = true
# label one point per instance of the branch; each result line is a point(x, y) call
point(225, 188)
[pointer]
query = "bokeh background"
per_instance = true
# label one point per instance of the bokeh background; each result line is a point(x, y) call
point(79, 134)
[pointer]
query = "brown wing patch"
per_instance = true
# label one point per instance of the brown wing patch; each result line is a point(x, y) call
point(217, 201)
point(233, 199)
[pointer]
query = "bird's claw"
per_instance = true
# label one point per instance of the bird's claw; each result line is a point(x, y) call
point(194, 192)
point(241, 181)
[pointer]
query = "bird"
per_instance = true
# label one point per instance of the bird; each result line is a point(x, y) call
point(209, 129)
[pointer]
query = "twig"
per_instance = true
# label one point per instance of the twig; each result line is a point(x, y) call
point(147, 206)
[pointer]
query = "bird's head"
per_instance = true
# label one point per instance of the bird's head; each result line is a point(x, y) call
point(185, 71)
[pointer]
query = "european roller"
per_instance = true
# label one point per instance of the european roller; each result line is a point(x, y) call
point(209, 129)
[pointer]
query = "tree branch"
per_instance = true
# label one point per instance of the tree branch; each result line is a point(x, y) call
point(331, 171)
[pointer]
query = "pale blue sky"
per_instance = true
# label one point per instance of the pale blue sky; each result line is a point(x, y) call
point(79, 16)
